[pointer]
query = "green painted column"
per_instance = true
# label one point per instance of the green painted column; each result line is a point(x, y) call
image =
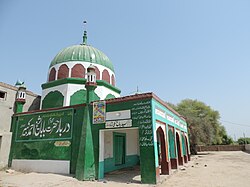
point(19, 106)
point(85, 166)
point(90, 92)
point(13, 131)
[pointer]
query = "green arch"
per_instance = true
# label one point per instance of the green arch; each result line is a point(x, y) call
point(171, 144)
point(53, 100)
point(110, 96)
point(79, 97)
point(183, 145)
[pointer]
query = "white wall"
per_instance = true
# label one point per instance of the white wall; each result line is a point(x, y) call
point(7, 107)
point(132, 142)
point(43, 166)
point(67, 90)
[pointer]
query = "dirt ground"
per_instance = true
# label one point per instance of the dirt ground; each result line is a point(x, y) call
point(211, 169)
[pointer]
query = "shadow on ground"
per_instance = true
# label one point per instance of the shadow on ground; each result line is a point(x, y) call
point(126, 175)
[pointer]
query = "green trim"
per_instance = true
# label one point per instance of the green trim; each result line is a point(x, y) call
point(79, 81)
point(101, 170)
point(104, 83)
point(63, 81)
point(164, 109)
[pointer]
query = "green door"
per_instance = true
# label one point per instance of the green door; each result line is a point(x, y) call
point(119, 148)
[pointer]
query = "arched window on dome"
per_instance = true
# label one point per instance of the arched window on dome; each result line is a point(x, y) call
point(63, 72)
point(106, 76)
point(97, 73)
point(113, 80)
point(78, 71)
point(52, 74)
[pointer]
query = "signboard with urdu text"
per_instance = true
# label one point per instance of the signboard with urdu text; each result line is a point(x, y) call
point(53, 125)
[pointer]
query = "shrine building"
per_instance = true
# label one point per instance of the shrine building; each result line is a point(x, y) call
point(85, 128)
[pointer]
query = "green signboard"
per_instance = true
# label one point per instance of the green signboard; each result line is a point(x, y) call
point(142, 115)
point(53, 125)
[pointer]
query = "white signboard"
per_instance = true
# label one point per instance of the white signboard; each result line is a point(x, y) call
point(118, 115)
point(118, 124)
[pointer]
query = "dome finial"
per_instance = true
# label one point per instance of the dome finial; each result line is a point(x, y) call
point(84, 41)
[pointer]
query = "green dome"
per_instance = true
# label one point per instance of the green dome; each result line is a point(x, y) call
point(84, 53)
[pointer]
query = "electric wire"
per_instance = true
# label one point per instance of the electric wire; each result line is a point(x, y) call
point(232, 123)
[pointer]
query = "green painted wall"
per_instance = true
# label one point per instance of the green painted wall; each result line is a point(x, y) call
point(183, 145)
point(155, 138)
point(171, 144)
point(141, 114)
point(41, 150)
point(110, 96)
point(119, 148)
point(78, 97)
point(78, 119)
point(44, 135)
point(164, 119)
point(56, 125)
point(158, 105)
point(53, 100)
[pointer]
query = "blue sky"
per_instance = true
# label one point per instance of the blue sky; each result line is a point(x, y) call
point(177, 49)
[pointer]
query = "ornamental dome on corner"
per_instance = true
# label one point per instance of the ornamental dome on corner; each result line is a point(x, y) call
point(73, 61)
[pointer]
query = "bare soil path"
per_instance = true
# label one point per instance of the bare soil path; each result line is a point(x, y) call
point(212, 169)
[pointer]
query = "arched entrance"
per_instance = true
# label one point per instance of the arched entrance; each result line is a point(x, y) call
point(184, 148)
point(188, 153)
point(180, 159)
point(162, 155)
point(172, 151)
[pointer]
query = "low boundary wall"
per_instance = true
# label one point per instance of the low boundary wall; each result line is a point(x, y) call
point(247, 147)
point(223, 148)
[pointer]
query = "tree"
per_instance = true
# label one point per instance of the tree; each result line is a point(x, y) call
point(242, 141)
point(203, 123)
point(226, 140)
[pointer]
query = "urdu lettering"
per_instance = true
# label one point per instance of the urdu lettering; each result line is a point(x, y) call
point(43, 127)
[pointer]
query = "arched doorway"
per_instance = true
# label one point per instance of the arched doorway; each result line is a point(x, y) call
point(180, 159)
point(184, 148)
point(188, 153)
point(172, 151)
point(162, 155)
